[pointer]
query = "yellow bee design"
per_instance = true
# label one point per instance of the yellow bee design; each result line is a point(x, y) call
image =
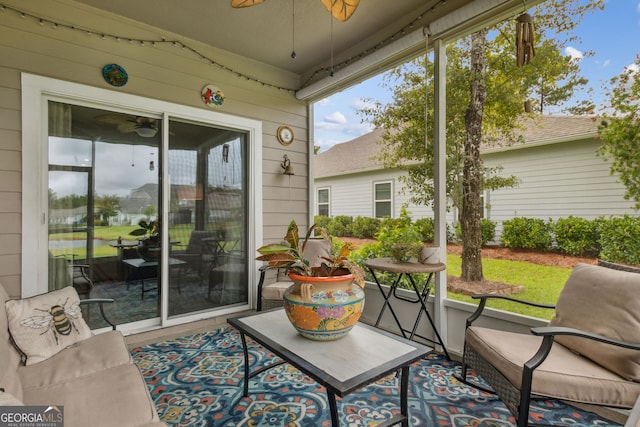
point(58, 318)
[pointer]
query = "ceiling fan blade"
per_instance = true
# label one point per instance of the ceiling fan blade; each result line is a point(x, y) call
point(245, 3)
point(341, 9)
point(113, 118)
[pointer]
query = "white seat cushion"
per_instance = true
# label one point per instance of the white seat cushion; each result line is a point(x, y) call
point(275, 290)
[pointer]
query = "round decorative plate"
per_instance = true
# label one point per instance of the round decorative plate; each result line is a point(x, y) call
point(115, 75)
point(212, 96)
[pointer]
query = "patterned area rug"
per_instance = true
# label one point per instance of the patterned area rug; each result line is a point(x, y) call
point(197, 381)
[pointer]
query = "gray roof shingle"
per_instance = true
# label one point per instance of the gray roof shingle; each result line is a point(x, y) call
point(359, 154)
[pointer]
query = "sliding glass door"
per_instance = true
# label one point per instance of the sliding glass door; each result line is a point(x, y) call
point(207, 217)
point(107, 197)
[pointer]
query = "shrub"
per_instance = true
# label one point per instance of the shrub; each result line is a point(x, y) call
point(321, 221)
point(487, 231)
point(426, 228)
point(340, 226)
point(365, 228)
point(526, 233)
point(577, 236)
point(620, 239)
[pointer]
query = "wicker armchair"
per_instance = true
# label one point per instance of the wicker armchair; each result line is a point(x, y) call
point(589, 353)
point(270, 294)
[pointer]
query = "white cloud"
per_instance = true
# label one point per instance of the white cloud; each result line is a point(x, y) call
point(328, 134)
point(361, 103)
point(325, 102)
point(336, 117)
point(606, 63)
point(574, 53)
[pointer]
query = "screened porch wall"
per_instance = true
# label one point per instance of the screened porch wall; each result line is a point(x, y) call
point(163, 72)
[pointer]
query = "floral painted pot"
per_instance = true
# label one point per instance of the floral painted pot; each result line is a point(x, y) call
point(323, 308)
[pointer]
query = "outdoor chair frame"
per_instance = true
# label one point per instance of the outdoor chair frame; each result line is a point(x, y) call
point(518, 398)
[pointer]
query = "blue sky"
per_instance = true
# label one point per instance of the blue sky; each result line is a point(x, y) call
point(613, 35)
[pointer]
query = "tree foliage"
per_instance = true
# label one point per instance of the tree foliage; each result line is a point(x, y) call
point(551, 77)
point(619, 130)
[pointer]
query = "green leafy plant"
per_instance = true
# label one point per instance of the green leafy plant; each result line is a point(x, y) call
point(146, 228)
point(399, 238)
point(290, 254)
point(577, 236)
point(527, 233)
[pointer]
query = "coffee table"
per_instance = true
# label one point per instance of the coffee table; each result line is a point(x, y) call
point(343, 366)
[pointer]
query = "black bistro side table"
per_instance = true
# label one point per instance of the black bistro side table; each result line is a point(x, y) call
point(406, 270)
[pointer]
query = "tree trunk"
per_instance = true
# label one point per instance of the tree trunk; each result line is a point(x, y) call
point(471, 202)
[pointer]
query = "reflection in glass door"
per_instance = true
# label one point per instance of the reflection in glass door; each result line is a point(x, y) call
point(105, 213)
point(207, 217)
point(103, 181)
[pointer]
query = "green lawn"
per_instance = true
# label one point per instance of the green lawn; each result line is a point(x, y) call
point(111, 233)
point(542, 283)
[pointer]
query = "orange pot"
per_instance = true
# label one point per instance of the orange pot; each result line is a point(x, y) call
point(323, 308)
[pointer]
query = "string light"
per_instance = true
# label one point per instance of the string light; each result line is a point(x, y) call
point(140, 42)
point(153, 43)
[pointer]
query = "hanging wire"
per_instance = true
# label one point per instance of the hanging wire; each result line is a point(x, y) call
point(331, 19)
point(293, 29)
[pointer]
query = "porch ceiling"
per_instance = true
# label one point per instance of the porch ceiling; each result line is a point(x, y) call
point(264, 32)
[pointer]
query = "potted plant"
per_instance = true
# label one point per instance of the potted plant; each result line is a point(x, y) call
point(290, 255)
point(400, 239)
point(149, 243)
point(323, 303)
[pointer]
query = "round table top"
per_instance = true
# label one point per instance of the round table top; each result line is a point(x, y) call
point(412, 266)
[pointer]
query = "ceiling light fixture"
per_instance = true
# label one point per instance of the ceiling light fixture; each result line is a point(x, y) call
point(146, 131)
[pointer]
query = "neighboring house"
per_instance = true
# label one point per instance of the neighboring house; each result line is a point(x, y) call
point(557, 166)
point(350, 181)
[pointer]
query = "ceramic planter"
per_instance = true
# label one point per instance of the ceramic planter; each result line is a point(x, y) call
point(323, 308)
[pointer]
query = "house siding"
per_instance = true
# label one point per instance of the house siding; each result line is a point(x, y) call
point(559, 177)
point(352, 194)
point(556, 181)
point(163, 72)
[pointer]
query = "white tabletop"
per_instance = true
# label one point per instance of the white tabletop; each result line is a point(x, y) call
point(364, 351)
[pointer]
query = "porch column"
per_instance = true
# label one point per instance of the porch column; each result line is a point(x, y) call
point(439, 183)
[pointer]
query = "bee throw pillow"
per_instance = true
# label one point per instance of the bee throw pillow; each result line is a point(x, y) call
point(43, 325)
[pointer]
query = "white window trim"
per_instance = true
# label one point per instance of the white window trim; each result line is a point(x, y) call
point(36, 92)
point(391, 200)
point(318, 200)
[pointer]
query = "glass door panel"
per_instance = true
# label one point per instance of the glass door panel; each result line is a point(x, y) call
point(207, 217)
point(103, 180)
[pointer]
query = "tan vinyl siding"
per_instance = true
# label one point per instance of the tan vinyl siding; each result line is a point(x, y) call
point(163, 72)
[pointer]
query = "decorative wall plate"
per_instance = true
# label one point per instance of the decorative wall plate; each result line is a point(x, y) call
point(212, 96)
point(115, 75)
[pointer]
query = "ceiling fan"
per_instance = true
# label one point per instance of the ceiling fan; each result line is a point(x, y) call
point(143, 126)
point(340, 9)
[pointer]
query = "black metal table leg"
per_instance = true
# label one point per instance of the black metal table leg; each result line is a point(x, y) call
point(333, 408)
point(404, 396)
point(387, 303)
point(246, 365)
point(423, 309)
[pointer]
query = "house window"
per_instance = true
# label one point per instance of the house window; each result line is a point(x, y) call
point(382, 199)
point(323, 201)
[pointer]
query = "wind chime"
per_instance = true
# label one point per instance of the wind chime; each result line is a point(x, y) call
point(524, 46)
point(524, 39)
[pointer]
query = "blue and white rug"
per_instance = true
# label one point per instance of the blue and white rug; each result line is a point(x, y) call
point(197, 381)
